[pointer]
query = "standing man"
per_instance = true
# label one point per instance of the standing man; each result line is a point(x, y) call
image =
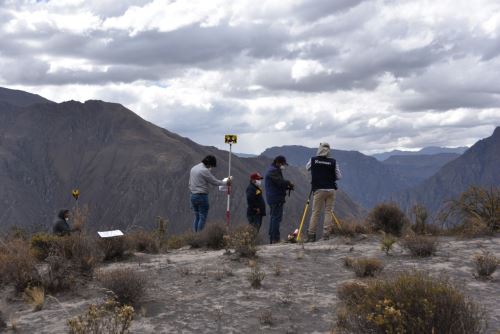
point(256, 205)
point(276, 187)
point(324, 174)
point(200, 178)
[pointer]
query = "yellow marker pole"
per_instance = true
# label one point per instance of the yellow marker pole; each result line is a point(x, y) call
point(336, 220)
point(229, 139)
point(304, 216)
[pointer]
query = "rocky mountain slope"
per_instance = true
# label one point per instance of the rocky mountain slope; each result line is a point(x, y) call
point(128, 170)
point(417, 168)
point(479, 165)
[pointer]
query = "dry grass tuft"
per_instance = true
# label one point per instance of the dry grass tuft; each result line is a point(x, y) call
point(266, 317)
point(486, 264)
point(256, 277)
point(35, 296)
point(127, 285)
point(421, 246)
point(387, 243)
point(367, 267)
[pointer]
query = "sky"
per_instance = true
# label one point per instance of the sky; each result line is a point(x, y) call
point(362, 75)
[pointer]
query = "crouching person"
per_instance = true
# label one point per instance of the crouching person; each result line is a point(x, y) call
point(61, 225)
point(256, 205)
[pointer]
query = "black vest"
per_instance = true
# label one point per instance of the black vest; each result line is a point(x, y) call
point(323, 173)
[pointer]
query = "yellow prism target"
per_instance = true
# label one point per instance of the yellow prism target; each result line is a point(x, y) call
point(231, 139)
point(75, 193)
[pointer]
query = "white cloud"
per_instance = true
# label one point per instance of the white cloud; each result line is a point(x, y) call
point(365, 75)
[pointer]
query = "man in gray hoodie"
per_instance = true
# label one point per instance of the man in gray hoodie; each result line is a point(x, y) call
point(200, 178)
point(324, 175)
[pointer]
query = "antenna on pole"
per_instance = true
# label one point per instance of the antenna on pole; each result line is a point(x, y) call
point(229, 139)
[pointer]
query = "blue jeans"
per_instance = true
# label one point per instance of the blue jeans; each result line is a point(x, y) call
point(276, 216)
point(199, 204)
point(255, 221)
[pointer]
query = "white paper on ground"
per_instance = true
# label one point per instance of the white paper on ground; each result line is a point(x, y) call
point(110, 234)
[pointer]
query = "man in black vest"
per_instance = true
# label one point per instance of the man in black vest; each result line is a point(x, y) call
point(324, 175)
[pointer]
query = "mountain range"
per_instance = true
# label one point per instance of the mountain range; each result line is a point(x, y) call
point(479, 165)
point(430, 150)
point(128, 170)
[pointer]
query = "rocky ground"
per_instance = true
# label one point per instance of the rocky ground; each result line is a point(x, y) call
point(196, 291)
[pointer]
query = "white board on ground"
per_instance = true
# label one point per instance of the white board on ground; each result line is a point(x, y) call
point(110, 234)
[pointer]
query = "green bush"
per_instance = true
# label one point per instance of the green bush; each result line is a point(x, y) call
point(389, 218)
point(410, 303)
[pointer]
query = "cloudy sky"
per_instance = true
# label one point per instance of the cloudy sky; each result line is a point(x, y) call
point(363, 75)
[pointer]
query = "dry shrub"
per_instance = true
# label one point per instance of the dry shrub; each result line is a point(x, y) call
point(83, 252)
point(18, 265)
point(389, 218)
point(421, 246)
point(35, 296)
point(211, 237)
point(348, 261)
point(127, 285)
point(266, 317)
point(349, 228)
point(145, 242)
point(486, 264)
point(113, 248)
point(80, 216)
point(42, 244)
point(178, 241)
point(59, 275)
point(479, 207)
point(364, 267)
point(411, 303)
point(107, 318)
point(256, 277)
point(387, 243)
point(243, 241)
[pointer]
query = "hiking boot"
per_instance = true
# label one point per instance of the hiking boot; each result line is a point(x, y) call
point(311, 237)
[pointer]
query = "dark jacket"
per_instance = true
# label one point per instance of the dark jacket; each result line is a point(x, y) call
point(276, 186)
point(255, 201)
point(61, 226)
point(323, 171)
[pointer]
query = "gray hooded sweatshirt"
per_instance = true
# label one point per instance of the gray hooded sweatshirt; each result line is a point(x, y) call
point(200, 178)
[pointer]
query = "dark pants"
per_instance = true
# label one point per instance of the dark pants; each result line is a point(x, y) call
point(275, 220)
point(199, 204)
point(255, 221)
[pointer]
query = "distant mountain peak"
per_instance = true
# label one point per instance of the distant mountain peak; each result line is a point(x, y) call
point(20, 98)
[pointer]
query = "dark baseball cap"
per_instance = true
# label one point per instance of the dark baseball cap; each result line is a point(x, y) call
point(280, 160)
